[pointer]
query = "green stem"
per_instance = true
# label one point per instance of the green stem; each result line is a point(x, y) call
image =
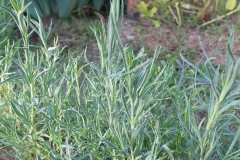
point(200, 13)
point(180, 14)
point(221, 17)
point(174, 16)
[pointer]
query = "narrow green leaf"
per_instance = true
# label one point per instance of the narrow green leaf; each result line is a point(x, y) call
point(92, 65)
point(12, 13)
point(195, 67)
point(165, 147)
point(38, 157)
point(83, 157)
point(49, 30)
point(21, 112)
point(67, 148)
point(16, 5)
point(13, 78)
point(24, 9)
point(229, 56)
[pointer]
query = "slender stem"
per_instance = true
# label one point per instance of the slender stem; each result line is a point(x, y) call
point(221, 17)
point(200, 13)
point(174, 16)
point(180, 14)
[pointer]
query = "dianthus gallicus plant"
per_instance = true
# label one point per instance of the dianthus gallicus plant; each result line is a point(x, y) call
point(124, 107)
point(217, 134)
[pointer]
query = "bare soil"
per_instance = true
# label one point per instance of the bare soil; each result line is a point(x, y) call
point(142, 33)
point(172, 40)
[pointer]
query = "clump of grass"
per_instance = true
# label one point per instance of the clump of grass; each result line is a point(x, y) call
point(127, 107)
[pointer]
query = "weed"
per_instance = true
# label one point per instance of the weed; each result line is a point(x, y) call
point(181, 38)
point(191, 53)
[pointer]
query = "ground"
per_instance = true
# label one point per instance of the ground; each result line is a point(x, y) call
point(76, 35)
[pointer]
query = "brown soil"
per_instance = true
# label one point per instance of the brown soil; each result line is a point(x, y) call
point(4, 156)
point(214, 39)
point(172, 39)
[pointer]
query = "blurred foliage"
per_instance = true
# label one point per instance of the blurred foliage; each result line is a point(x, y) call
point(6, 26)
point(61, 8)
point(204, 11)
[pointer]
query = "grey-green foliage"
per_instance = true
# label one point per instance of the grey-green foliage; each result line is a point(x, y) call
point(6, 26)
point(66, 111)
point(127, 107)
point(217, 134)
point(130, 97)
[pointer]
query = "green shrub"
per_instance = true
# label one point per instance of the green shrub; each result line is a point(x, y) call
point(128, 107)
